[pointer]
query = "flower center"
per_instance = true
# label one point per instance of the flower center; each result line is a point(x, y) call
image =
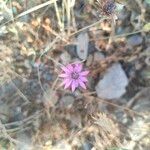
point(75, 75)
point(109, 8)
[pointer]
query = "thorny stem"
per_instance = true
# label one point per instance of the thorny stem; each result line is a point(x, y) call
point(87, 27)
point(119, 36)
point(124, 108)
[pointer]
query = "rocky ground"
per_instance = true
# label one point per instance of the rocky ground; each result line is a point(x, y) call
point(36, 38)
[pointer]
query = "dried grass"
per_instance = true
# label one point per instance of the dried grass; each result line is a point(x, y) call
point(102, 131)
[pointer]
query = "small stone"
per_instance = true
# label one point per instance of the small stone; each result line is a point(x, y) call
point(76, 142)
point(75, 60)
point(24, 18)
point(47, 76)
point(16, 114)
point(62, 145)
point(135, 40)
point(3, 31)
point(76, 120)
point(82, 45)
point(67, 101)
point(98, 56)
point(124, 14)
point(102, 107)
point(50, 97)
point(71, 49)
point(34, 87)
point(122, 30)
point(9, 88)
point(4, 112)
point(87, 146)
point(65, 58)
point(91, 47)
point(137, 135)
point(89, 60)
point(91, 83)
point(46, 86)
point(24, 141)
point(113, 84)
point(78, 94)
point(27, 64)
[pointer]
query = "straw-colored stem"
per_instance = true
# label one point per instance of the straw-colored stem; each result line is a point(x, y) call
point(58, 17)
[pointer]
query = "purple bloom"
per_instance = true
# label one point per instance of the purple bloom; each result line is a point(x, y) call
point(74, 76)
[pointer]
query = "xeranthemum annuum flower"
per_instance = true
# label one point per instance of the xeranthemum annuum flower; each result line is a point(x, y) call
point(74, 76)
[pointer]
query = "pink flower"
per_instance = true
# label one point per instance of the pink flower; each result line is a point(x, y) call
point(73, 76)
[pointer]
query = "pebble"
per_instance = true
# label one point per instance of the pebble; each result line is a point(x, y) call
point(10, 89)
point(65, 58)
point(50, 97)
point(16, 114)
point(91, 47)
point(124, 15)
point(135, 40)
point(34, 87)
point(47, 76)
point(87, 146)
point(113, 85)
point(27, 64)
point(67, 101)
point(62, 145)
point(4, 112)
point(82, 45)
point(91, 83)
point(98, 56)
point(24, 141)
point(71, 49)
point(3, 31)
point(89, 60)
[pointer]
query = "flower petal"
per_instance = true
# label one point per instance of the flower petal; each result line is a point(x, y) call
point(67, 83)
point(66, 80)
point(78, 67)
point(83, 79)
point(73, 86)
point(64, 75)
point(84, 73)
point(82, 84)
point(70, 67)
point(76, 83)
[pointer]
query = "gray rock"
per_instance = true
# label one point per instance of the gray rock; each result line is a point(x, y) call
point(89, 60)
point(123, 14)
point(82, 45)
point(16, 114)
point(71, 49)
point(98, 56)
point(10, 88)
point(65, 58)
point(135, 40)
point(62, 145)
point(4, 112)
point(87, 146)
point(113, 84)
point(25, 141)
point(91, 47)
point(50, 97)
point(3, 31)
point(67, 101)
point(47, 76)
point(91, 83)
